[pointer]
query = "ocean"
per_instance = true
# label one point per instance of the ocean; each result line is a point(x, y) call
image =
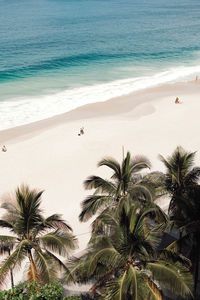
point(56, 55)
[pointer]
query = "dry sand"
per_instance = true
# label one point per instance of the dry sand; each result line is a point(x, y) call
point(49, 155)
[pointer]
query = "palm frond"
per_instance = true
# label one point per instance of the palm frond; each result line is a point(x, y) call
point(165, 162)
point(112, 164)
point(192, 177)
point(173, 257)
point(139, 163)
point(140, 191)
point(174, 276)
point(13, 261)
point(58, 241)
point(132, 281)
point(108, 256)
point(6, 224)
point(57, 261)
point(123, 286)
point(76, 270)
point(29, 206)
point(104, 220)
point(9, 207)
point(44, 265)
point(94, 182)
point(6, 243)
point(116, 289)
point(92, 204)
point(56, 221)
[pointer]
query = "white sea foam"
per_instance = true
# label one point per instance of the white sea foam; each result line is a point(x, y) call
point(17, 112)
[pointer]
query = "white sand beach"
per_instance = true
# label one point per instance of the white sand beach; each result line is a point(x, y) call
point(49, 155)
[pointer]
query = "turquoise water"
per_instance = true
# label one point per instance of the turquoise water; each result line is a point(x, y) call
point(56, 55)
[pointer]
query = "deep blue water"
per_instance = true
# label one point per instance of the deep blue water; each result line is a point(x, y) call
point(59, 54)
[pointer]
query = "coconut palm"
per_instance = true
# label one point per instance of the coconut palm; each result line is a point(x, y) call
point(125, 262)
point(34, 237)
point(181, 175)
point(182, 184)
point(122, 182)
point(189, 240)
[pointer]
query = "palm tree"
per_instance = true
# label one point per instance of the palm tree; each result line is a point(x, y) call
point(181, 175)
point(189, 240)
point(182, 184)
point(123, 181)
point(34, 237)
point(125, 262)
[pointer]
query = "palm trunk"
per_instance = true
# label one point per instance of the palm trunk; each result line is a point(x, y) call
point(11, 273)
point(32, 274)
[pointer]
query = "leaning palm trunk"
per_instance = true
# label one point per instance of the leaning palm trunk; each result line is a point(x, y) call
point(33, 273)
point(11, 273)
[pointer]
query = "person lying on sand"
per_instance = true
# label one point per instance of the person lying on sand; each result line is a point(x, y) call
point(81, 131)
point(4, 148)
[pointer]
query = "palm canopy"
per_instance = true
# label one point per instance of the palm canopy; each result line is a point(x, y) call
point(181, 176)
point(189, 228)
point(122, 182)
point(34, 237)
point(125, 261)
point(181, 182)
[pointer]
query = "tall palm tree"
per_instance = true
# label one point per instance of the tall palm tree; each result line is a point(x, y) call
point(110, 192)
point(34, 237)
point(125, 262)
point(182, 184)
point(189, 240)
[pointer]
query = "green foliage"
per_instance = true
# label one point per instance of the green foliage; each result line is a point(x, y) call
point(34, 237)
point(74, 297)
point(34, 291)
point(125, 261)
point(124, 180)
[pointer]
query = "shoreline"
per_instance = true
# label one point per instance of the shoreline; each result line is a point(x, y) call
point(33, 108)
point(92, 110)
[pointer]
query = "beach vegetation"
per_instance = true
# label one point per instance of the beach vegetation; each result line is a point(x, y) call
point(124, 260)
point(182, 184)
point(136, 250)
point(35, 291)
point(127, 186)
point(181, 178)
point(111, 192)
point(33, 238)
